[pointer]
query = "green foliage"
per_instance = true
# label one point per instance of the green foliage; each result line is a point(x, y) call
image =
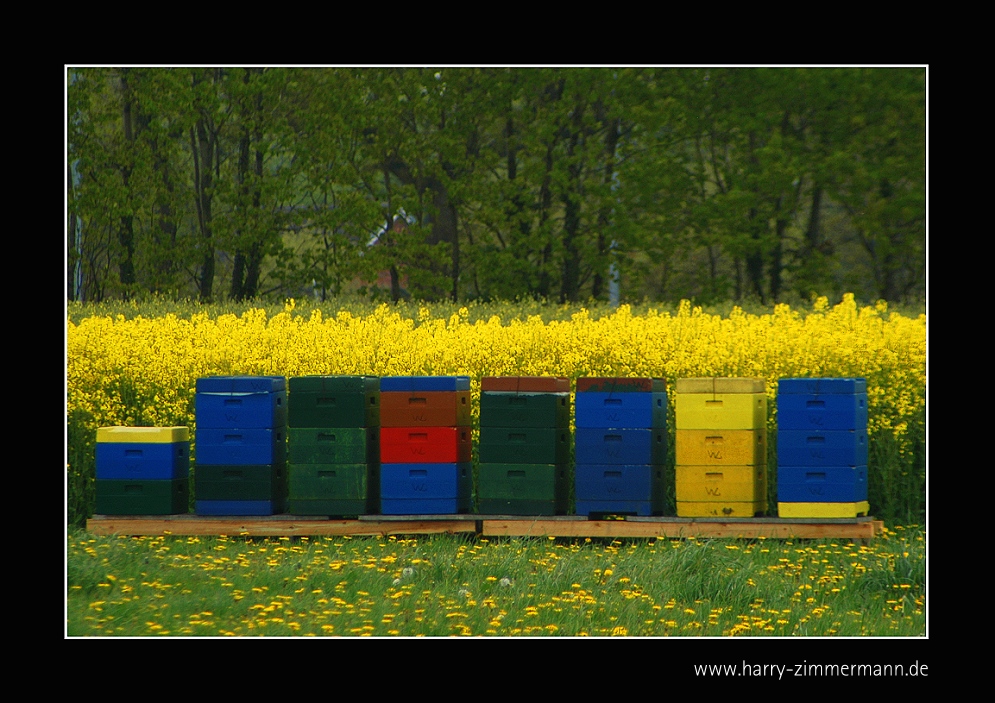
point(697, 183)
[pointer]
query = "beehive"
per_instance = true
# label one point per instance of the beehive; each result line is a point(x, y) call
point(241, 451)
point(142, 470)
point(524, 445)
point(822, 447)
point(425, 445)
point(334, 445)
point(721, 447)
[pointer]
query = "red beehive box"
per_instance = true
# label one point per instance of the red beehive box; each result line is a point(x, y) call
point(424, 445)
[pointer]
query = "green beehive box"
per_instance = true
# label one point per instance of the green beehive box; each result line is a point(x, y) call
point(327, 481)
point(245, 482)
point(503, 409)
point(338, 445)
point(333, 401)
point(149, 497)
point(523, 489)
point(333, 489)
point(524, 445)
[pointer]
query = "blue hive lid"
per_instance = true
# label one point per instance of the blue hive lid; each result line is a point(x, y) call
point(241, 384)
point(417, 384)
point(822, 386)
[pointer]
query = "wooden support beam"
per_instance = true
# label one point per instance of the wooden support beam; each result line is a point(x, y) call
point(745, 529)
point(489, 526)
point(268, 526)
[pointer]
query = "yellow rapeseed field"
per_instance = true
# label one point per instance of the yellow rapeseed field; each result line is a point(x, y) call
point(143, 371)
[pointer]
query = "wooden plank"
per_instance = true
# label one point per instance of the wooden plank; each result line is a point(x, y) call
point(491, 526)
point(269, 526)
point(711, 529)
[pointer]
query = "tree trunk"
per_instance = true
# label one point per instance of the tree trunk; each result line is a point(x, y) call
point(570, 283)
point(72, 254)
point(776, 263)
point(126, 232)
point(813, 233)
point(254, 257)
point(544, 284)
point(235, 291)
point(754, 259)
point(203, 159)
point(604, 215)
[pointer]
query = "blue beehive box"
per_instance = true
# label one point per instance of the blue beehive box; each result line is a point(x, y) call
point(826, 484)
point(822, 404)
point(621, 410)
point(823, 412)
point(620, 446)
point(228, 447)
point(822, 447)
point(142, 461)
point(614, 488)
point(425, 489)
point(241, 402)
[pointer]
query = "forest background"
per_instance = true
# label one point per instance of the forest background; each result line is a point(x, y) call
point(494, 183)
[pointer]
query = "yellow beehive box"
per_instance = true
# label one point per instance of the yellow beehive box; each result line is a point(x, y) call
point(823, 510)
point(726, 483)
point(720, 509)
point(720, 385)
point(144, 435)
point(721, 447)
point(721, 411)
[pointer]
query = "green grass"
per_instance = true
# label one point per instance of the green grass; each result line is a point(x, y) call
point(443, 586)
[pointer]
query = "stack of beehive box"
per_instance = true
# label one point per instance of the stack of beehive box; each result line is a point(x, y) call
point(143, 470)
point(425, 445)
point(333, 445)
point(721, 447)
point(621, 446)
point(524, 446)
point(241, 450)
point(822, 447)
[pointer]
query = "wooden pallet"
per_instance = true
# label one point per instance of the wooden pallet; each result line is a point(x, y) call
point(862, 528)
point(743, 528)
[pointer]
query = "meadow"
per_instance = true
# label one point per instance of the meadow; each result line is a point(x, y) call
point(444, 586)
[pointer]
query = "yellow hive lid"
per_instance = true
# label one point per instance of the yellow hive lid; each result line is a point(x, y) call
point(157, 435)
point(720, 385)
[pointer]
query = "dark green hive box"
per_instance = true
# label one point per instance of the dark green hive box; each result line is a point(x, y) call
point(524, 445)
point(333, 489)
point(246, 482)
point(339, 445)
point(333, 401)
point(499, 409)
point(523, 489)
point(148, 497)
